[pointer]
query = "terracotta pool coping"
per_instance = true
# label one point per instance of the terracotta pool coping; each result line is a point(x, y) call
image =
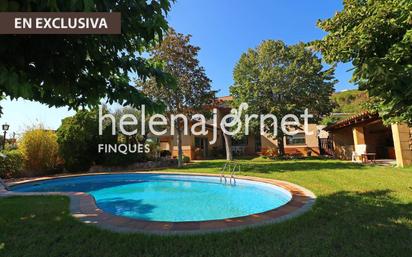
point(83, 207)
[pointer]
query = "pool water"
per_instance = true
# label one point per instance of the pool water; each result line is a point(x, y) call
point(174, 198)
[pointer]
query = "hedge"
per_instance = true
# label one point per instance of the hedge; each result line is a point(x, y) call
point(11, 164)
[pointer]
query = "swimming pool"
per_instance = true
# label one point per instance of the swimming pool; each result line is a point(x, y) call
point(169, 197)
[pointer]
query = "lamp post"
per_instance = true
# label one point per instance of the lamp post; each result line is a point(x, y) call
point(5, 127)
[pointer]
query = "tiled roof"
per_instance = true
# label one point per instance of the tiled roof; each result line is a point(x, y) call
point(225, 98)
point(223, 102)
point(356, 119)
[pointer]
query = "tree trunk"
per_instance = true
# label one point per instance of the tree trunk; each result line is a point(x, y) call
point(281, 145)
point(228, 147)
point(179, 147)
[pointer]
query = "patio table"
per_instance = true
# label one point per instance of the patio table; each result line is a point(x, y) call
point(365, 157)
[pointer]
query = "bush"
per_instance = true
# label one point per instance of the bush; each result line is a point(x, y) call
point(40, 150)
point(271, 152)
point(119, 159)
point(186, 159)
point(154, 152)
point(11, 164)
point(165, 153)
point(78, 139)
point(217, 153)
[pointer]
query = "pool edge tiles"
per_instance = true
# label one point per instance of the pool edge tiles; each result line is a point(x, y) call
point(83, 207)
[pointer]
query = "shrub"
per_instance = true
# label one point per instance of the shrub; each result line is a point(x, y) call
point(271, 152)
point(165, 153)
point(11, 164)
point(78, 139)
point(119, 159)
point(217, 153)
point(186, 159)
point(154, 152)
point(40, 150)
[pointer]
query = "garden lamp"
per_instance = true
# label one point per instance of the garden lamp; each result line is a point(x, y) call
point(5, 127)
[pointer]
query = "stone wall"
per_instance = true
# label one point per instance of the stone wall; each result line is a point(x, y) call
point(138, 166)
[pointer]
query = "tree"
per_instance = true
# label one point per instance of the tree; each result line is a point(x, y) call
point(350, 101)
point(376, 36)
point(139, 136)
point(347, 103)
point(80, 70)
point(228, 147)
point(1, 108)
point(278, 79)
point(193, 90)
point(78, 140)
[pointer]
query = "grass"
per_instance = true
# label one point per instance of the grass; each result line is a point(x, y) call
point(360, 211)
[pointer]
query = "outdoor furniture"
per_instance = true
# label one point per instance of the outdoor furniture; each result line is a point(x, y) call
point(368, 156)
point(238, 150)
point(354, 156)
point(359, 150)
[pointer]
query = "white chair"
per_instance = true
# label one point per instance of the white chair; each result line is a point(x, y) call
point(359, 150)
point(238, 150)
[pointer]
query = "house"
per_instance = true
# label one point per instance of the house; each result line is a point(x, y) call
point(198, 147)
point(366, 133)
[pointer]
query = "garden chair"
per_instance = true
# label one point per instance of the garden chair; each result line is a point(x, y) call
point(359, 151)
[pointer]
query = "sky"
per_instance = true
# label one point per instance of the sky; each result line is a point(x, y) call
point(223, 29)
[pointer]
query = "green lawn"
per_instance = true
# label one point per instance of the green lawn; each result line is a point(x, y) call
point(360, 211)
